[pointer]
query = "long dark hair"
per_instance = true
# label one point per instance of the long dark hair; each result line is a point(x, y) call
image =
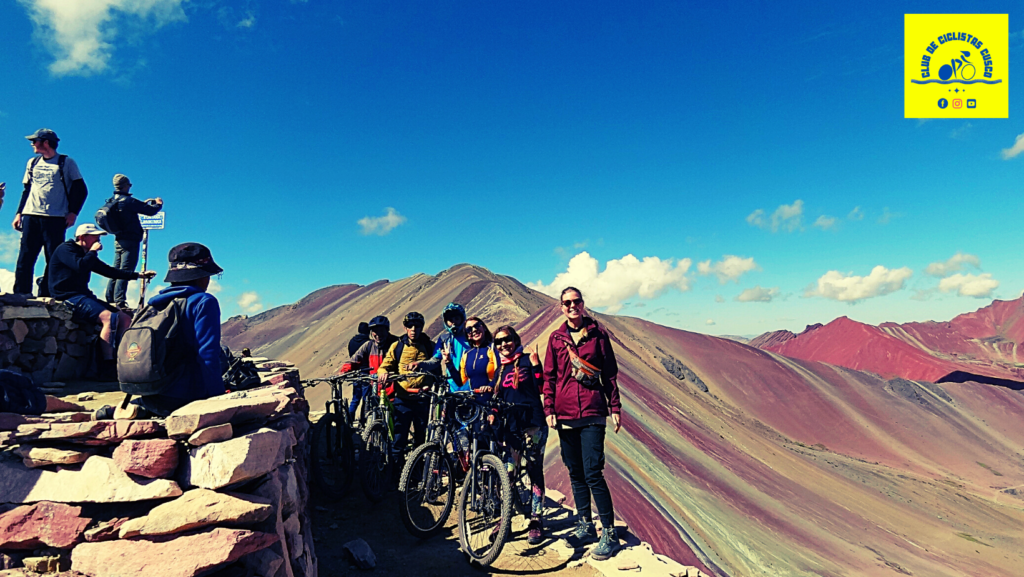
point(487, 339)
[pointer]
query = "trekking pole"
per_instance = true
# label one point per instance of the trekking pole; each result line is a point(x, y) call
point(143, 281)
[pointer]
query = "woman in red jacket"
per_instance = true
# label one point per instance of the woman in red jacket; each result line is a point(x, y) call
point(580, 391)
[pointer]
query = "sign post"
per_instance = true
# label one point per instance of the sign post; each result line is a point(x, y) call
point(155, 222)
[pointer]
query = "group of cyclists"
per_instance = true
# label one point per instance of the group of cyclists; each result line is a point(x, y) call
point(573, 392)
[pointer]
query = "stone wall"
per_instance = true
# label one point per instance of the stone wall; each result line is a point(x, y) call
point(39, 340)
point(218, 487)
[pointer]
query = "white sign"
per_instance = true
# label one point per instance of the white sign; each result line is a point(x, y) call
point(152, 222)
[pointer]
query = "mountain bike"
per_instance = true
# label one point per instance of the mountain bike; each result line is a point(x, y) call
point(428, 479)
point(485, 504)
point(332, 447)
point(379, 457)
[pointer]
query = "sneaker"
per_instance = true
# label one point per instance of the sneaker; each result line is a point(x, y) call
point(536, 534)
point(585, 531)
point(607, 547)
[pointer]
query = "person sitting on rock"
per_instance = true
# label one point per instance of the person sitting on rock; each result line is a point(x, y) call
point(70, 268)
point(190, 267)
point(369, 355)
point(404, 356)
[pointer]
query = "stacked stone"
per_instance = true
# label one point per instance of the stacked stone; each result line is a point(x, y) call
point(218, 487)
point(39, 339)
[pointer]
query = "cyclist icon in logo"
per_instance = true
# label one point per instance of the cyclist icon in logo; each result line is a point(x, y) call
point(958, 68)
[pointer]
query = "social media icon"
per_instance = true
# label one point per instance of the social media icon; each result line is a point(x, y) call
point(972, 103)
point(957, 103)
point(943, 103)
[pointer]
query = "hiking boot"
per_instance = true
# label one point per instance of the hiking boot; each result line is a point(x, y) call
point(585, 531)
point(536, 532)
point(607, 547)
point(103, 413)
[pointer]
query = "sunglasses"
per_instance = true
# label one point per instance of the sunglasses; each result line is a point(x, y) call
point(569, 303)
point(474, 328)
point(504, 341)
point(411, 325)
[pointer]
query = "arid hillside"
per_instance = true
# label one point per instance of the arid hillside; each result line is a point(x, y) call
point(740, 460)
point(983, 343)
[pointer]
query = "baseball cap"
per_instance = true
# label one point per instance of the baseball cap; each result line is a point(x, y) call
point(43, 133)
point(88, 228)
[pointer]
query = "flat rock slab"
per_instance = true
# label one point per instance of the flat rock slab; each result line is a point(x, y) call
point(42, 525)
point(25, 313)
point(196, 509)
point(34, 457)
point(152, 458)
point(98, 481)
point(86, 433)
point(361, 554)
point(240, 407)
point(213, 434)
point(217, 465)
point(185, 556)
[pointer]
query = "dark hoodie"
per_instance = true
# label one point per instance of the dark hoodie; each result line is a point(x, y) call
point(71, 266)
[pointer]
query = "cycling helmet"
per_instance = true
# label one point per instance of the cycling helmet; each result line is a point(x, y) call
point(451, 310)
point(380, 321)
point(414, 318)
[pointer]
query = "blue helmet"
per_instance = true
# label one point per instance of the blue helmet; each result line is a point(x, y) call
point(453, 310)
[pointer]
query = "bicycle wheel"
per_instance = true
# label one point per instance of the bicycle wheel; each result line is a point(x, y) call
point(332, 457)
point(522, 488)
point(485, 510)
point(427, 491)
point(375, 462)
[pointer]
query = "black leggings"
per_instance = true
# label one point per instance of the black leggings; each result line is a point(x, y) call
point(583, 454)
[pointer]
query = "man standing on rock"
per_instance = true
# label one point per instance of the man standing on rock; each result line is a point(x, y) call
point(53, 196)
point(71, 266)
point(127, 234)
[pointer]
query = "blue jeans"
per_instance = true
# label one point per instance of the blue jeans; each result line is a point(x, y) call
point(583, 454)
point(126, 257)
point(359, 390)
point(414, 412)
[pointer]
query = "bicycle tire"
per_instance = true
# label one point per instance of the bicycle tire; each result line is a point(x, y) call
point(427, 490)
point(522, 488)
point(375, 463)
point(332, 457)
point(489, 513)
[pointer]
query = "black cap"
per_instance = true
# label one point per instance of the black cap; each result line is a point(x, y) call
point(190, 261)
point(43, 134)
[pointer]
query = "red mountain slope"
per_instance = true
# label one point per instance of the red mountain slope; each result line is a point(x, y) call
point(747, 462)
point(982, 343)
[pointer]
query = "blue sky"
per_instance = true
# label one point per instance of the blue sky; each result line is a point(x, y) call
point(517, 136)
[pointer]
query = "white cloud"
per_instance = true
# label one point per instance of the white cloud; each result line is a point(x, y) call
point(719, 299)
point(825, 222)
point(250, 303)
point(786, 217)
point(969, 285)
point(856, 214)
point(621, 279)
point(954, 264)
point(887, 216)
point(248, 22)
point(758, 295)
point(1017, 148)
point(10, 245)
point(381, 225)
point(710, 322)
point(7, 281)
point(730, 268)
point(850, 288)
point(214, 287)
point(80, 33)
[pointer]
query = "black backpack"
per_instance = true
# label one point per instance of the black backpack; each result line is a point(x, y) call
point(153, 352)
point(238, 374)
point(19, 395)
point(109, 217)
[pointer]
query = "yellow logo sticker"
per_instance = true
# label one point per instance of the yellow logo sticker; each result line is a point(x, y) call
point(955, 66)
